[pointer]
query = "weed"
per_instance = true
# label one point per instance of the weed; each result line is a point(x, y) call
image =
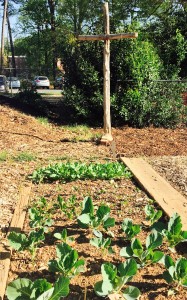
point(24, 156)
point(3, 156)
point(43, 120)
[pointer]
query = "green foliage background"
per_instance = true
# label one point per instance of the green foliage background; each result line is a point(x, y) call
point(140, 94)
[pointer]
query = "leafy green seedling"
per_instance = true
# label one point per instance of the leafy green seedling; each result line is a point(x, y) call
point(21, 242)
point(176, 271)
point(67, 262)
point(67, 206)
point(174, 233)
point(40, 214)
point(40, 289)
point(100, 218)
point(63, 236)
point(39, 219)
point(152, 214)
point(147, 255)
point(130, 229)
point(75, 170)
point(100, 242)
point(115, 278)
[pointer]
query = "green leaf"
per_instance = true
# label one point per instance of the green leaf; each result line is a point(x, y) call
point(130, 229)
point(184, 236)
point(18, 241)
point(84, 220)
point(61, 288)
point(61, 235)
point(95, 242)
point(21, 288)
point(88, 207)
point(126, 251)
point(108, 271)
point(157, 256)
point(137, 247)
point(168, 278)
point(158, 226)
point(110, 222)
point(40, 286)
point(97, 233)
point(103, 289)
point(131, 293)
point(175, 224)
point(46, 295)
point(128, 268)
point(102, 211)
point(167, 261)
point(154, 240)
point(181, 268)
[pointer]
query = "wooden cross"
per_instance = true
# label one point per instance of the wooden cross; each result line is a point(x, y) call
point(106, 37)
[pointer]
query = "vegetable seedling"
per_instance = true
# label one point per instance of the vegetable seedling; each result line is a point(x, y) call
point(21, 242)
point(67, 206)
point(63, 236)
point(130, 229)
point(67, 262)
point(176, 271)
point(100, 242)
point(75, 170)
point(115, 278)
point(40, 214)
point(100, 218)
point(152, 214)
point(144, 255)
point(40, 289)
point(174, 233)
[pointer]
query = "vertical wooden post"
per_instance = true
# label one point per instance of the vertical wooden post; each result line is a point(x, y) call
point(106, 73)
point(106, 37)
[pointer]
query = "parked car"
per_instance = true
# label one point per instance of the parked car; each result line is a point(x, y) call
point(13, 82)
point(41, 81)
point(3, 84)
point(59, 83)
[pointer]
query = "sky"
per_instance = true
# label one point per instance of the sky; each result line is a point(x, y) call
point(14, 25)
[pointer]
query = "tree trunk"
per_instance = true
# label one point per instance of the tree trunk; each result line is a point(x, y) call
point(3, 32)
point(51, 4)
point(11, 47)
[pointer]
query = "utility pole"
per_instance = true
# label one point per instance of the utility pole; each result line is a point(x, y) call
point(3, 32)
point(11, 47)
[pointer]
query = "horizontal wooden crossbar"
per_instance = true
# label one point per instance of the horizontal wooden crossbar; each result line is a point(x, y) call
point(105, 37)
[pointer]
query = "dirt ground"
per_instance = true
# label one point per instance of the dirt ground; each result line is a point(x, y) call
point(165, 150)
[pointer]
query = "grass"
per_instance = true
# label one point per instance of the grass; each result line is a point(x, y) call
point(43, 120)
point(3, 156)
point(24, 156)
point(81, 132)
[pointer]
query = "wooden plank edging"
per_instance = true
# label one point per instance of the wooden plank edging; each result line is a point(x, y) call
point(15, 225)
point(169, 199)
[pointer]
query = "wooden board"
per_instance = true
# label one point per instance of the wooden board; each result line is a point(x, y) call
point(158, 188)
point(16, 225)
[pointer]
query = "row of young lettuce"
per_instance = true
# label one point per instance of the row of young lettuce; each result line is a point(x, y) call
point(135, 256)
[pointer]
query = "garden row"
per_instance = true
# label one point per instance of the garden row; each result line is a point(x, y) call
point(96, 222)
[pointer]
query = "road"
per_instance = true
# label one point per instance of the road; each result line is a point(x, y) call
point(49, 95)
point(43, 92)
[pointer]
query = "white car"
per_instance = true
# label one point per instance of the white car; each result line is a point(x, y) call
point(13, 82)
point(41, 81)
point(3, 84)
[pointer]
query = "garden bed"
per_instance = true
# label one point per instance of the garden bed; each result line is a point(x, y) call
point(49, 144)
